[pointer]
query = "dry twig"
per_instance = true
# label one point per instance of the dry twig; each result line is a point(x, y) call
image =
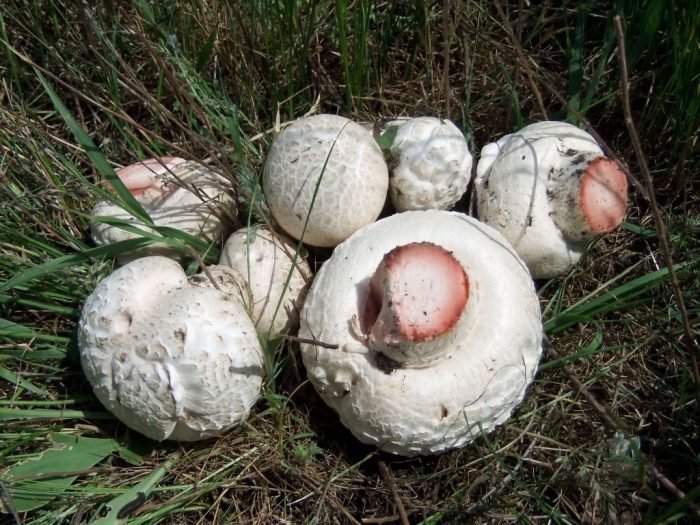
point(386, 474)
point(613, 423)
point(522, 58)
point(664, 244)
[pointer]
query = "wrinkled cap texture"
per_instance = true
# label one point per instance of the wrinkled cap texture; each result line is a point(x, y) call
point(431, 164)
point(549, 190)
point(182, 194)
point(171, 358)
point(266, 261)
point(331, 167)
point(470, 382)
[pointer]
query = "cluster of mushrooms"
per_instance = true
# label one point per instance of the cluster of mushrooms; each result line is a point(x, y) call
point(423, 328)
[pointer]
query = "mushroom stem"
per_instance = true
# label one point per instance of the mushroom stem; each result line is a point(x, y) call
point(416, 298)
point(588, 195)
point(144, 178)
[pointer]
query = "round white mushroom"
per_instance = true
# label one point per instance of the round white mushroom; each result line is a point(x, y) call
point(330, 170)
point(437, 327)
point(277, 280)
point(174, 192)
point(549, 190)
point(431, 164)
point(171, 358)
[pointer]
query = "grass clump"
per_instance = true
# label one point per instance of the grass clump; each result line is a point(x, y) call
point(608, 432)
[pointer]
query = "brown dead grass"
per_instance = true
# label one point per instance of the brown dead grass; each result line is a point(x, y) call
point(293, 462)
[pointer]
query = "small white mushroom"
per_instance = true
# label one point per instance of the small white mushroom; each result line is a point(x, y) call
point(438, 330)
point(171, 358)
point(174, 192)
point(276, 280)
point(549, 190)
point(331, 168)
point(431, 165)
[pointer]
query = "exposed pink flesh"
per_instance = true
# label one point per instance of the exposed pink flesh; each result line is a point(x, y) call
point(417, 293)
point(142, 177)
point(603, 195)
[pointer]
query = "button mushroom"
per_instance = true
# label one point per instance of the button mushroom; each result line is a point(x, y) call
point(549, 190)
point(431, 164)
point(171, 358)
point(437, 327)
point(174, 192)
point(277, 280)
point(330, 168)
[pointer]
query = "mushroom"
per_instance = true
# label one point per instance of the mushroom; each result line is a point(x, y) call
point(428, 331)
point(431, 164)
point(175, 192)
point(171, 358)
point(326, 170)
point(549, 190)
point(276, 278)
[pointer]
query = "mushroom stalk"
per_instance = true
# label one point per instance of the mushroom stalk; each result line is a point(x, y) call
point(416, 298)
point(146, 178)
point(588, 196)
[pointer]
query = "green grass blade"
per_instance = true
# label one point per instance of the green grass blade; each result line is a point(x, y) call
point(206, 52)
point(72, 453)
point(20, 382)
point(615, 299)
point(12, 330)
point(68, 261)
point(123, 505)
point(9, 414)
point(129, 203)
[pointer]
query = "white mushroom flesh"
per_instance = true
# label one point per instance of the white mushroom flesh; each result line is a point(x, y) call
point(277, 279)
point(329, 169)
point(179, 194)
point(170, 359)
point(431, 165)
point(548, 189)
point(405, 403)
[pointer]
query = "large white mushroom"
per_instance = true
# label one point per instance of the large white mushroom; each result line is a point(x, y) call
point(172, 358)
point(331, 168)
point(437, 327)
point(174, 192)
point(431, 164)
point(277, 281)
point(549, 190)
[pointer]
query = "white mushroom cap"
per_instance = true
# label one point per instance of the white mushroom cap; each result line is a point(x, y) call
point(176, 193)
point(170, 359)
point(266, 262)
point(353, 179)
point(431, 164)
point(405, 386)
point(549, 190)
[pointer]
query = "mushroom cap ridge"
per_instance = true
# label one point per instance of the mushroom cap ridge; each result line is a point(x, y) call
point(351, 193)
point(170, 359)
point(425, 410)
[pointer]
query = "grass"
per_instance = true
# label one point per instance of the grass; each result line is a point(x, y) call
point(87, 89)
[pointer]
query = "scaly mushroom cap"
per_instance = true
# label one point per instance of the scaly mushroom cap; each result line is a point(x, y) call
point(171, 358)
point(266, 261)
point(338, 158)
point(549, 190)
point(438, 330)
point(176, 193)
point(432, 164)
